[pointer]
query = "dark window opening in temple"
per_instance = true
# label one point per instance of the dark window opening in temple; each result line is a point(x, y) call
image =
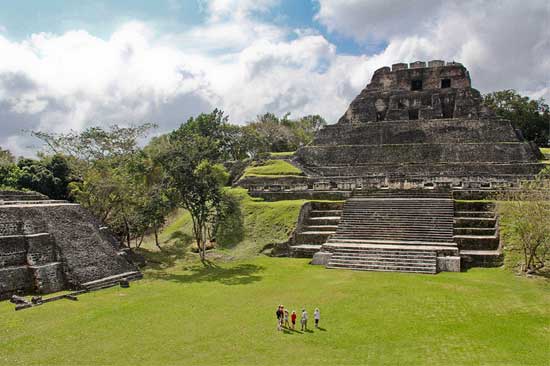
point(416, 85)
point(445, 83)
point(413, 113)
point(379, 116)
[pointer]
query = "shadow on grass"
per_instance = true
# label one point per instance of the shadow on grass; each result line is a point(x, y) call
point(241, 274)
point(169, 254)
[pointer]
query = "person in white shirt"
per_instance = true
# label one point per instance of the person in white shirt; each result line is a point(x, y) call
point(303, 320)
point(317, 317)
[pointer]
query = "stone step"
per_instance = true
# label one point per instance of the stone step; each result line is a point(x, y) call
point(333, 220)
point(475, 222)
point(304, 250)
point(384, 261)
point(397, 224)
point(474, 206)
point(484, 214)
point(325, 205)
point(320, 228)
point(325, 213)
point(111, 280)
point(362, 244)
point(384, 256)
point(477, 242)
point(382, 268)
point(368, 235)
point(313, 237)
point(474, 231)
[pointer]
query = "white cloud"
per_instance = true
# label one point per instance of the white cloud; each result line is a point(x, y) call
point(505, 44)
point(247, 67)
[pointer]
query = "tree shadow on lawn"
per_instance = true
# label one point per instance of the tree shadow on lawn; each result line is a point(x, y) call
point(241, 274)
point(169, 254)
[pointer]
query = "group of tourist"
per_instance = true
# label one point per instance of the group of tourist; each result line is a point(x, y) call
point(283, 318)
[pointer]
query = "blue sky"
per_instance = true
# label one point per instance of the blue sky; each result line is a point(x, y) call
point(68, 64)
point(23, 18)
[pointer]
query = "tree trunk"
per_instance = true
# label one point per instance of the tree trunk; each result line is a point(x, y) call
point(157, 237)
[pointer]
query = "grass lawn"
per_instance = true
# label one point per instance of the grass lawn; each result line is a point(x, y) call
point(272, 168)
point(188, 315)
point(545, 150)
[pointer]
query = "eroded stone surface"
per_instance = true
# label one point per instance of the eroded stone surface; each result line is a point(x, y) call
point(47, 247)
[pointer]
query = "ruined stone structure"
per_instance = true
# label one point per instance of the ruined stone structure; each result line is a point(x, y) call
point(414, 126)
point(48, 246)
point(415, 139)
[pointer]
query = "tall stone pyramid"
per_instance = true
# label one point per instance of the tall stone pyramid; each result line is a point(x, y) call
point(414, 126)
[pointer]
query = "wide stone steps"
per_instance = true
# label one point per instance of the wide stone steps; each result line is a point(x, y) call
point(380, 259)
point(392, 194)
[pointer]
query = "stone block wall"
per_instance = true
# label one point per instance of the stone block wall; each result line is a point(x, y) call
point(448, 131)
point(50, 247)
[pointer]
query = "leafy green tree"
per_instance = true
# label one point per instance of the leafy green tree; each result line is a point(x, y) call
point(114, 175)
point(527, 212)
point(49, 175)
point(532, 117)
point(192, 165)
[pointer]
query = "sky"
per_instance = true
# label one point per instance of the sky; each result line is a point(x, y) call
point(72, 64)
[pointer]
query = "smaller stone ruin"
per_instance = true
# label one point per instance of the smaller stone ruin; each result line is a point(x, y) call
point(48, 246)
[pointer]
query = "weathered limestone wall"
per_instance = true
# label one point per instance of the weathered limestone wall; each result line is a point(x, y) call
point(448, 131)
point(410, 153)
point(49, 247)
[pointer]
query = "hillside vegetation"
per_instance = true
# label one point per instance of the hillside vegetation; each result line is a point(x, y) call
point(272, 168)
point(251, 226)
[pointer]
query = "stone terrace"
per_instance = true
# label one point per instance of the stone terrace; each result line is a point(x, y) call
point(47, 246)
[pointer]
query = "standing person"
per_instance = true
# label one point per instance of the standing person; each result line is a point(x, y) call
point(293, 319)
point(279, 314)
point(287, 325)
point(303, 319)
point(317, 317)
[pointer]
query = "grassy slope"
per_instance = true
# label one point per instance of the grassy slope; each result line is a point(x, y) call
point(255, 224)
point(225, 315)
point(272, 168)
point(545, 150)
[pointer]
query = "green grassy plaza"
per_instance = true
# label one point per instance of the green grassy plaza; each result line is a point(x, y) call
point(226, 315)
point(183, 313)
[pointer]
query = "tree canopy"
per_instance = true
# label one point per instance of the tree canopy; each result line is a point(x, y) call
point(532, 117)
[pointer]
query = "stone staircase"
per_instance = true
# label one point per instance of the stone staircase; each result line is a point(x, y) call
point(394, 230)
point(317, 222)
point(476, 233)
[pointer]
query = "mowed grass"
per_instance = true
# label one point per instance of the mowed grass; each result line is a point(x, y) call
point(272, 168)
point(225, 315)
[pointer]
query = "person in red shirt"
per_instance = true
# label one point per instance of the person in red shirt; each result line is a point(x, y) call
point(293, 319)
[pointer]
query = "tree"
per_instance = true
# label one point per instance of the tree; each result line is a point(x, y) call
point(192, 165)
point(532, 117)
point(114, 175)
point(527, 212)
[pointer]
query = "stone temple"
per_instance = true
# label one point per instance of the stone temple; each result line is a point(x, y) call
point(411, 143)
point(48, 246)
